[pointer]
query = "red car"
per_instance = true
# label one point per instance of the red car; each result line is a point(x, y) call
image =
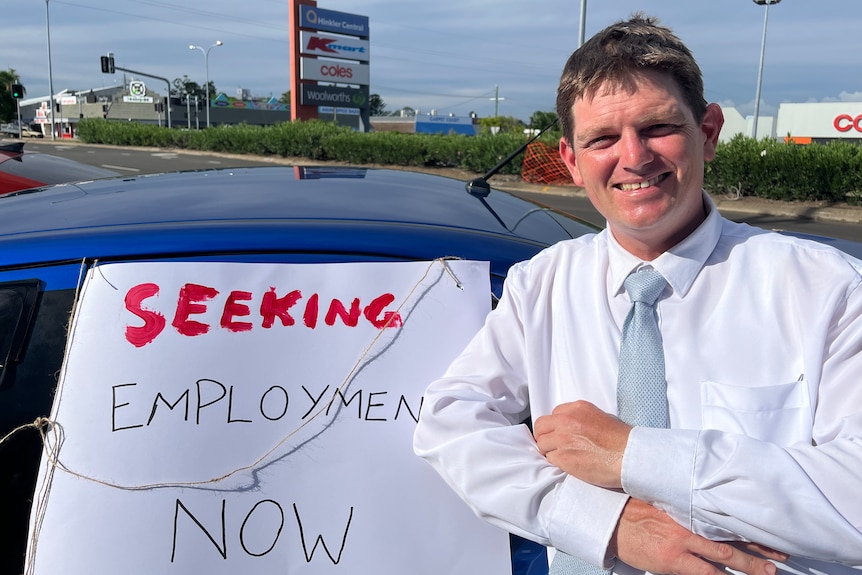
point(20, 170)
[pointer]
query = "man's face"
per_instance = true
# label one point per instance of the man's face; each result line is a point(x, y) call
point(640, 154)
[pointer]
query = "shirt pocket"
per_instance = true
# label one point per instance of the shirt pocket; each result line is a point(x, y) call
point(779, 414)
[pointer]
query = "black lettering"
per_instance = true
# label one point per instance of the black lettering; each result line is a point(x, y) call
point(171, 406)
point(203, 405)
point(403, 401)
point(115, 406)
point(319, 539)
point(284, 408)
point(315, 401)
point(230, 410)
point(277, 534)
point(370, 405)
point(346, 402)
point(222, 550)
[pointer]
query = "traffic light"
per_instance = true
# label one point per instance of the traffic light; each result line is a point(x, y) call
point(17, 91)
point(107, 64)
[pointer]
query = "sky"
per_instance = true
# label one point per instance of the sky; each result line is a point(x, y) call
point(452, 56)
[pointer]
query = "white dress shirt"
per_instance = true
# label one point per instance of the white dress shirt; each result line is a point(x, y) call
point(762, 336)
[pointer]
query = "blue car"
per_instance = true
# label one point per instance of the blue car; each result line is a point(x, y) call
point(263, 214)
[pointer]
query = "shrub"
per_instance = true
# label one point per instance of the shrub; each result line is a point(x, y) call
point(742, 167)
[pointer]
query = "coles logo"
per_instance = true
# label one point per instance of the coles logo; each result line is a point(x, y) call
point(846, 122)
point(336, 71)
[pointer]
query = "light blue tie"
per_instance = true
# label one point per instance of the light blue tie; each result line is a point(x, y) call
point(641, 384)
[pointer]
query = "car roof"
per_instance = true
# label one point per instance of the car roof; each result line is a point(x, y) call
point(378, 212)
point(21, 169)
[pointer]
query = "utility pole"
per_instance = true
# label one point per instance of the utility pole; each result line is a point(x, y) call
point(496, 99)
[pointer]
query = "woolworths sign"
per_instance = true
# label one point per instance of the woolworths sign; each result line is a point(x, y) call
point(334, 96)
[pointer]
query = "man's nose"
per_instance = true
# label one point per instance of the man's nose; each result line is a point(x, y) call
point(634, 150)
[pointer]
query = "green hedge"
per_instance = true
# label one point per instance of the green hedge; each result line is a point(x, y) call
point(775, 170)
point(742, 166)
point(316, 140)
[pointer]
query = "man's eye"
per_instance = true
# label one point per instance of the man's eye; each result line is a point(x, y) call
point(661, 129)
point(600, 142)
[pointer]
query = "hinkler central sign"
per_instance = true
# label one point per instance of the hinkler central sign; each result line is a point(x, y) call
point(332, 21)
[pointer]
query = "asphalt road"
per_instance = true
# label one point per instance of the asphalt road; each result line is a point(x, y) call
point(131, 161)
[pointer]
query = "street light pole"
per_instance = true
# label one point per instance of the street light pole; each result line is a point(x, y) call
point(206, 53)
point(50, 72)
point(765, 3)
point(583, 27)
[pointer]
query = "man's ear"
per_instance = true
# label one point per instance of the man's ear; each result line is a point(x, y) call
point(567, 153)
point(711, 125)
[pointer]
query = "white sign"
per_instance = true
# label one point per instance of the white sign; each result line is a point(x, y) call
point(820, 120)
point(138, 99)
point(337, 72)
point(257, 418)
point(338, 111)
point(330, 46)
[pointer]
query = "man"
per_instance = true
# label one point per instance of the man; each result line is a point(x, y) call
point(761, 337)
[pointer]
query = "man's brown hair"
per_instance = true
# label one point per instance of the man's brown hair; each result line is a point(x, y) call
point(617, 55)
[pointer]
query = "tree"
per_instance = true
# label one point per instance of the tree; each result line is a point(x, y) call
point(504, 123)
point(540, 120)
point(285, 98)
point(184, 87)
point(8, 106)
point(376, 105)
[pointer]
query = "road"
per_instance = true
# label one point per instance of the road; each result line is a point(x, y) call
point(129, 161)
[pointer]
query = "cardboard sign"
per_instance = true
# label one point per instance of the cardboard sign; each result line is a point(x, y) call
point(257, 418)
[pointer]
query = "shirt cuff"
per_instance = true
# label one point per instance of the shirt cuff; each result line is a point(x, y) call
point(583, 519)
point(658, 468)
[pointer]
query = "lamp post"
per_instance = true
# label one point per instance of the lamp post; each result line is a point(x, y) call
point(583, 27)
point(50, 72)
point(765, 3)
point(206, 53)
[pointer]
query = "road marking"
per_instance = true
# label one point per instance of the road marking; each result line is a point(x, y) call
point(124, 168)
point(165, 155)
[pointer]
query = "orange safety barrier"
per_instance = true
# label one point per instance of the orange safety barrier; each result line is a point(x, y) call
point(542, 165)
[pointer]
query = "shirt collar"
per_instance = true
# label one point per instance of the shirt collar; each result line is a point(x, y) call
point(679, 265)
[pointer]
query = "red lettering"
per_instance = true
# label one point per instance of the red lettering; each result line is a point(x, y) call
point(193, 297)
point(322, 44)
point(336, 71)
point(846, 122)
point(272, 306)
point(233, 309)
point(336, 309)
point(843, 127)
point(189, 304)
point(390, 318)
point(309, 318)
point(154, 322)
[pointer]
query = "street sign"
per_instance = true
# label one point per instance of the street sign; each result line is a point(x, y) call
point(331, 21)
point(336, 72)
point(317, 44)
point(334, 96)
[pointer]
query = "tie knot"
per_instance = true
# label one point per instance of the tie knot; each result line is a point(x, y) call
point(645, 286)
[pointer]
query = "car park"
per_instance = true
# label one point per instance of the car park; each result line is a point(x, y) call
point(49, 235)
point(20, 169)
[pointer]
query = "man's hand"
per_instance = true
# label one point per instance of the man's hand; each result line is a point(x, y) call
point(584, 441)
point(649, 539)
